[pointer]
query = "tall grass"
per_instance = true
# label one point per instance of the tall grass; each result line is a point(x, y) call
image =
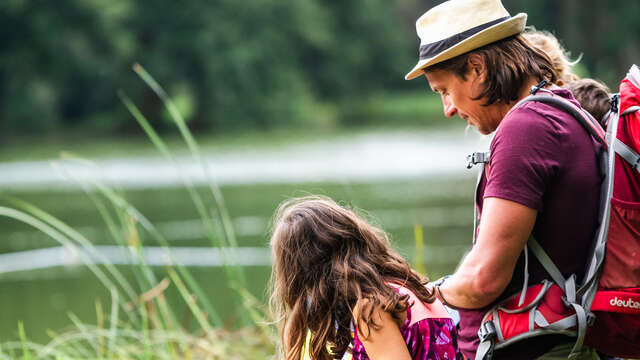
point(140, 323)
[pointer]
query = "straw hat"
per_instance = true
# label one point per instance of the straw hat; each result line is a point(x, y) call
point(459, 26)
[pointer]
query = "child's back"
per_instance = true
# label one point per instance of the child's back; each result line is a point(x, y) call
point(428, 331)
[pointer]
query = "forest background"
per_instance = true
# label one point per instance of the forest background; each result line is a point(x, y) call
point(256, 64)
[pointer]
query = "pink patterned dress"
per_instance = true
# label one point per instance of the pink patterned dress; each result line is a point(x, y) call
point(428, 331)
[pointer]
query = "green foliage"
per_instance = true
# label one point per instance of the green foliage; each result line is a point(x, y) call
point(258, 64)
point(606, 33)
point(230, 65)
point(51, 56)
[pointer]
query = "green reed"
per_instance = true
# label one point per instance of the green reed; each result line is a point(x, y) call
point(140, 323)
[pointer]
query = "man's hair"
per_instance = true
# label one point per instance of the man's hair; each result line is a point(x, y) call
point(509, 63)
point(593, 96)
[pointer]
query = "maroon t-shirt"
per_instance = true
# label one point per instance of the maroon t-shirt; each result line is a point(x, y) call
point(543, 158)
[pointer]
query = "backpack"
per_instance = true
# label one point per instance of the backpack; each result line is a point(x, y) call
point(603, 310)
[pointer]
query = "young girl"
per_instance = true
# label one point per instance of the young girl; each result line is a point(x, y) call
point(338, 277)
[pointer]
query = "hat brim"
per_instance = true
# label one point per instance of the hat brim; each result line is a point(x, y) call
point(512, 26)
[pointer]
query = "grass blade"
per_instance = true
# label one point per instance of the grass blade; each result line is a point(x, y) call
point(113, 323)
point(26, 355)
point(191, 302)
point(56, 235)
point(195, 151)
point(418, 260)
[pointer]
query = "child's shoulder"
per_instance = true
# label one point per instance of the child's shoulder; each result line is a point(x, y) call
point(420, 310)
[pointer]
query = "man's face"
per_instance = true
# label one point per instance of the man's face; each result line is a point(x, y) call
point(458, 95)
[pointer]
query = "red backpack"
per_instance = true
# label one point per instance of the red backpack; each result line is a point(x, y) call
point(603, 311)
point(612, 286)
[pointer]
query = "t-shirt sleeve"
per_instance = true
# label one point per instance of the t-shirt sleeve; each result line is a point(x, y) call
point(525, 155)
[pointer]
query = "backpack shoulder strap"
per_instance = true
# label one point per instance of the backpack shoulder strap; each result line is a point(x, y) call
point(573, 294)
point(632, 157)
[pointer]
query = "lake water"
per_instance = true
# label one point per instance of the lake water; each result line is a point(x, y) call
point(401, 179)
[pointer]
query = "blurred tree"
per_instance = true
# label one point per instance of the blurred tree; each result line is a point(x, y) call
point(256, 63)
point(606, 33)
point(264, 63)
point(55, 64)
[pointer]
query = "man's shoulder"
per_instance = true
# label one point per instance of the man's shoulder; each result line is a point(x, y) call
point(535, 111)
point(533, 118)
point(528, 120)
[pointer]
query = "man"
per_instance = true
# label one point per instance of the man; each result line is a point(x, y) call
point(542, 178)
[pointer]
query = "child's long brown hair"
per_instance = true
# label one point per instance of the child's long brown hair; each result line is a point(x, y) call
point(326, 259)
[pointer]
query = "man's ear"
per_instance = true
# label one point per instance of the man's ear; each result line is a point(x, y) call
point(476, 65)
point(477, 74)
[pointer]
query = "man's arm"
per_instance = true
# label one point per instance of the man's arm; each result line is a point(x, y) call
point(487, 270)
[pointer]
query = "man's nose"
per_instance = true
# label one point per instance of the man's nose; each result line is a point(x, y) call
point(449, 109)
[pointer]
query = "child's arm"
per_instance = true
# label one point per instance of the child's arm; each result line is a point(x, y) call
point(386, 341)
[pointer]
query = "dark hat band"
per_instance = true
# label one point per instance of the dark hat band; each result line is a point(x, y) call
point(430, 50)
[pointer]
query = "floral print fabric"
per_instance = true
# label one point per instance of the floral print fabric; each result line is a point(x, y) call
point(427, 339)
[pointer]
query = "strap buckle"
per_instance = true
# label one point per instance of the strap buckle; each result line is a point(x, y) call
point(477, 158)
point(487, 331)
point(536, 88)
point(615, 102)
